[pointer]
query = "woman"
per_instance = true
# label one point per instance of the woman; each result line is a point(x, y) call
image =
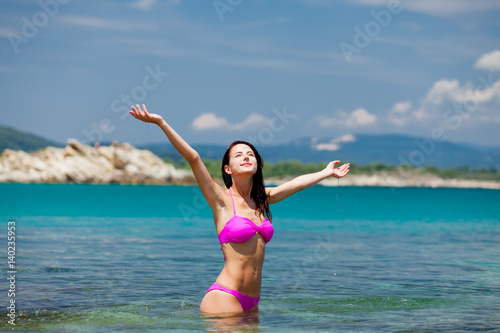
point(241, 215)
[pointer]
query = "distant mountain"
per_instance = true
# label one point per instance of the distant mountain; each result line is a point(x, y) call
point(362, 149)
point(391, 149)
point(18, 140)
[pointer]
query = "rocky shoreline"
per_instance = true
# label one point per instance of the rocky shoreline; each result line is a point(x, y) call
point(80, 163)
point(396, 180)
point(124, 164)
point(416, 180)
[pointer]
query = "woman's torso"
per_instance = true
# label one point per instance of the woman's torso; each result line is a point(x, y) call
point(244, 258)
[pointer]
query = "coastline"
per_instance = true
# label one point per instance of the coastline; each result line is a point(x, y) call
point(78, 163)
point(82, 164)
point(384, 179)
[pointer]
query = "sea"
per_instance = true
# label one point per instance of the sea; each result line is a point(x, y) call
point(137, 258)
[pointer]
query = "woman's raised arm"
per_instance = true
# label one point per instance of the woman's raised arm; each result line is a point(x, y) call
point(299, 183)
point(211, 190)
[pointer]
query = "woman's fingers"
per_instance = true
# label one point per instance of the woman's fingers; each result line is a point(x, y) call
point(342, 170)
point(346, 169)
point(134, 115)
point(137, 113)
point(139, 110)
point(343, 166)
point(143, 113)
point(143, 110)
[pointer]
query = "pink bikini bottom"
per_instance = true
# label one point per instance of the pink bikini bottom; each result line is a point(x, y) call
point(246, 302)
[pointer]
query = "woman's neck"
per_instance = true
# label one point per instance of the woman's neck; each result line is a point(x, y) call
point(243, 187)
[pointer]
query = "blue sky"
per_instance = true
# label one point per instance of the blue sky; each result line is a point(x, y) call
point(261, 70)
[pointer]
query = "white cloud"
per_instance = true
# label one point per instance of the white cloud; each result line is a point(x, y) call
point(434, 7)
point(6, 32)
point(489, 61)
point(210, 121)
point(360, 117)
point(401, 108)
point(442, 94)
point(399, 114)
point(335, 144)
point(357, 118)
point(254, 120)
point(445, 91)
point(445, 102)
point(449, 98)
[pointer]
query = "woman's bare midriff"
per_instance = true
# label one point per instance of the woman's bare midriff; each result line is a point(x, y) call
point(243, 268)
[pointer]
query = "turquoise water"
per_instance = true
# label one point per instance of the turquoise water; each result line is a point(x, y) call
point(140, 258)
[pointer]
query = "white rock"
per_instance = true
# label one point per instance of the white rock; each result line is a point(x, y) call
point(81, 163)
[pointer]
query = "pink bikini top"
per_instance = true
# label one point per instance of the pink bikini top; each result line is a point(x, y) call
point(240, 229)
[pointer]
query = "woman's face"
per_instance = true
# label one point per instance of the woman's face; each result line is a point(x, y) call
point(242, 160)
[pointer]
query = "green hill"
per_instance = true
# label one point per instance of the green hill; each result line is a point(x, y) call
point(18, 140)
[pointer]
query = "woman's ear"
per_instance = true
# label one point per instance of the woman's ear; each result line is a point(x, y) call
point(227, 169)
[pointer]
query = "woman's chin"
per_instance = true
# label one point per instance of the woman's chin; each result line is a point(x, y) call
point(246, 172)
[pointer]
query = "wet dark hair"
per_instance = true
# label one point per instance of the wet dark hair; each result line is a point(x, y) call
point(258, 193)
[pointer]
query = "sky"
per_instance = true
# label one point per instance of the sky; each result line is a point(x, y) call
point(258, 70)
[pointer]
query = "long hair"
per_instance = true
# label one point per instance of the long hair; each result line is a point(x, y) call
point(258, 192)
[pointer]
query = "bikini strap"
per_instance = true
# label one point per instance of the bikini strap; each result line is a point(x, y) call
point(234, 207)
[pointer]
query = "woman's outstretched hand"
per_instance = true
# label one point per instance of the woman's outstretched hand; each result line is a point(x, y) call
point(337, 172)
point(144, 115)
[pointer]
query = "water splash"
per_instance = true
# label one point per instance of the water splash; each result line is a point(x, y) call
point(338, 182)
point(337, 194)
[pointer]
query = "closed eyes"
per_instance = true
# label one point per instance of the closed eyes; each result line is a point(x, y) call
point(250, 153)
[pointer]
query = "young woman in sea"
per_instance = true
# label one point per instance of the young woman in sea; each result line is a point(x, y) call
point(241, 214)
